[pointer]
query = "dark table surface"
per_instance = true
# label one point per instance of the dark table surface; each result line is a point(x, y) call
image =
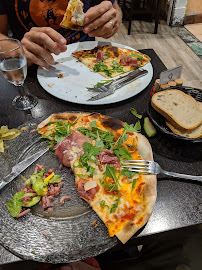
point(178, 203)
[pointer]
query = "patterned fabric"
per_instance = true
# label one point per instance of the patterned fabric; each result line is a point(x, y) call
point(25, 14)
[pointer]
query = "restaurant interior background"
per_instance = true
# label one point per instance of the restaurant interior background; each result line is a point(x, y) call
point(178, 42)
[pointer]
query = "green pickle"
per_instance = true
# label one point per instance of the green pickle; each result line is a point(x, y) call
point(149, 128)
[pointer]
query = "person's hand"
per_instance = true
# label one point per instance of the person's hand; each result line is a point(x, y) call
point(101, 20)
point(40, 42)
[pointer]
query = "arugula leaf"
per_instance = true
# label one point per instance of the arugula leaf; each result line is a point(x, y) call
point(115, 205)
point(107, 53)
point(111, 172)
point(131, 128)
point(117, 67)
point(101, 67)
point(102, 83)
point(103, 204)
point(134, 112)
point(123, 152)
point(139, 57)
point(133, 184)
point(15, 205)
point(127, 173)
point(60, 131)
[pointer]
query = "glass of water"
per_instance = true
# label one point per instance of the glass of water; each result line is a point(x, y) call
point(13, 66)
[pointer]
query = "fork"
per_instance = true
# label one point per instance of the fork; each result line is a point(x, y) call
point(105, 87)
point(151, 167)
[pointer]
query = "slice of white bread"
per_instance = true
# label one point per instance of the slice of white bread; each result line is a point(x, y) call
point(195, 133)
point(180, 109)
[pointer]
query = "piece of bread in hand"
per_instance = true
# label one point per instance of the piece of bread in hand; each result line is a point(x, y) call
point(195, 133)
point(74, 16)
point(180, 109)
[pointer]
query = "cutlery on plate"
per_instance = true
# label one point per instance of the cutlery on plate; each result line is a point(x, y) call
point(114, 86)
point(115, 81)
point(151, 167)
point(21, 166)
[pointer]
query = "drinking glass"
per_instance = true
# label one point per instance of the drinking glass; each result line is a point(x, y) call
point(13, 66)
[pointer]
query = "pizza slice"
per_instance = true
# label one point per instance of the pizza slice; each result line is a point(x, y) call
point(74, 16)
point(111, 61)
point(95, 147)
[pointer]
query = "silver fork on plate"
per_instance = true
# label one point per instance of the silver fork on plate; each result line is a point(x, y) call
point(151, 167)
point(116, 84)
point(115, 81)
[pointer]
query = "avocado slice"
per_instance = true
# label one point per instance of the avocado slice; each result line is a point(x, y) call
point(34, 201)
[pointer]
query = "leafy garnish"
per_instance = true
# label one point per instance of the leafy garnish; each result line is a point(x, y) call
point(117, 67)
point(60, 131)
point(127, 173)
point(103, 204)
point(139, 57)
point(115, 205)
point(7, 134)
point(133, 184)
point(134, 112)
point(101, 67)
point(107, 53)
point(103, 82)
point(15, 205)
point(123, 152)
point(133, 128)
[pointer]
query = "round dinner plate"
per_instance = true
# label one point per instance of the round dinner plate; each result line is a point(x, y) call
point(159, 121)
point(63, 235)
point(75, 77)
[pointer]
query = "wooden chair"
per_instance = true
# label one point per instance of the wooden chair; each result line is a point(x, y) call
point(150, 8)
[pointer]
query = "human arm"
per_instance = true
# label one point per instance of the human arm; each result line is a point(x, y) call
point(103, 20)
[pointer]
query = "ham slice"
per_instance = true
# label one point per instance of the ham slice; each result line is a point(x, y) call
point(108, 157)
point(100, 56)
point(87, 195)
point(70, 148)
point(127, 61)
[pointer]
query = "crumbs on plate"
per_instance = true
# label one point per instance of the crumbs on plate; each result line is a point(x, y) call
point(50, 84)
point(60, 75)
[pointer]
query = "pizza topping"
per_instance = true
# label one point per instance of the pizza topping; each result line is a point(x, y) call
point(100, 55)
point(128, 61)
point(86, 194)
point(65, 150)
point(108, 157)
point(89, 185)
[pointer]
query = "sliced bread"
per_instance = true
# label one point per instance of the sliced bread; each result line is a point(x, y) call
point(180, 109)
point(195, 133)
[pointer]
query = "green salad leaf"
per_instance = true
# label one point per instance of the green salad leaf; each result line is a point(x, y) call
point(15, 205)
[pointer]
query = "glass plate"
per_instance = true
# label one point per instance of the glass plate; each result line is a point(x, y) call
point(71, 235)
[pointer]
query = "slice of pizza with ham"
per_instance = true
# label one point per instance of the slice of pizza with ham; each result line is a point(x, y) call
point(95, 147)
point(111, 61)
point(74, 16)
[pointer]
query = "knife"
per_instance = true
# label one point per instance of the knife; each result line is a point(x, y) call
point(113, 88)
point(21, 166)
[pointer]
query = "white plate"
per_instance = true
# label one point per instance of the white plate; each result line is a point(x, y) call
point(77, 76)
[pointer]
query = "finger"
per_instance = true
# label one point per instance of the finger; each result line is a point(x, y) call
point(107, 29)
point(38, 50)
point(102, 20)
point(41, 38)
point(97, 11)
point(33, 59)
point(53, 34)
point(115, 28)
